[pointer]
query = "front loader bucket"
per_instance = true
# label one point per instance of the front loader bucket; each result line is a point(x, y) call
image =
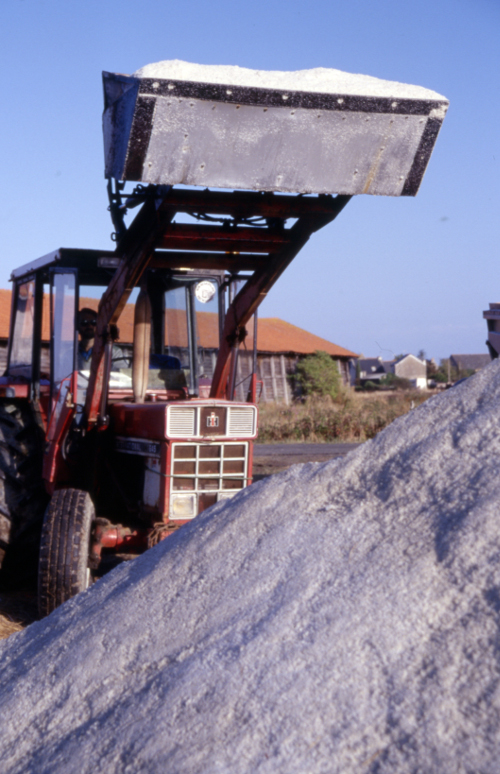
point(316, 131)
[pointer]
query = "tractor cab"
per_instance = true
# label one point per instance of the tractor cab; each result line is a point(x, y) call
point(48, 346)
point(159, 361)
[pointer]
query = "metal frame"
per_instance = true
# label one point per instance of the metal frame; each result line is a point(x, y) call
point(153, 240)
point(131, 134)
point(242, 476)
point(234, 245)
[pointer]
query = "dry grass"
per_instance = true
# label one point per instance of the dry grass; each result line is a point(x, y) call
point(17, 610)
point(354, 417)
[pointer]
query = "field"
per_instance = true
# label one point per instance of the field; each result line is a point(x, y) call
point(355, 417)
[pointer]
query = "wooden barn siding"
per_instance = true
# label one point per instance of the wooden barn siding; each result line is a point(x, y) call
point(274, 373)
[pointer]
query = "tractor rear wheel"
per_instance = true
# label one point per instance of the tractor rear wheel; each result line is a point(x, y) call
point(64, 568)
point(22, 496)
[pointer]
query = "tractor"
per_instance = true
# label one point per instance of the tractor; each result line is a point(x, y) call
point(105, 449)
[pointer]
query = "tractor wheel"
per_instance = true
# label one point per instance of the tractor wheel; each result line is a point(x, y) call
point(64, 568)
point(22, 496)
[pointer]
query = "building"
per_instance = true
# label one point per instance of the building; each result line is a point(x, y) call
point(279, 347)
point(372, 369)
point(406, 367)
point(470, 363)
point(411, 368)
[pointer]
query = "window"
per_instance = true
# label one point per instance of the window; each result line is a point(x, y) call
point(21, 354)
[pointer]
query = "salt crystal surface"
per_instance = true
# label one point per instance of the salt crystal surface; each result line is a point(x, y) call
point(318, 79)
point(339, 617)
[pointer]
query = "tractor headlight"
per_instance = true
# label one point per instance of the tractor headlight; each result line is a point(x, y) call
point(183, 506)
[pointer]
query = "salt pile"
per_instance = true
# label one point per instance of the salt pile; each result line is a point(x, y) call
point(318, 79)
point(339, 617)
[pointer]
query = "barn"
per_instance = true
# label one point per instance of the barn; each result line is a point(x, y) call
point(280, 345)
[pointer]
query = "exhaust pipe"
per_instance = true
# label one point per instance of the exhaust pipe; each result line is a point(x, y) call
point(142, 343)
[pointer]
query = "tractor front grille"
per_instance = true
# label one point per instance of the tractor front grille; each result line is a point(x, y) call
point(202, 474)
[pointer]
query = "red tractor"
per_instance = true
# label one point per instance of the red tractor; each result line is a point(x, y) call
point(123, 449)
point(117, 448)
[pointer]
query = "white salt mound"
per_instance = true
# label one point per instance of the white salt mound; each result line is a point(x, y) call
point(318, 79)
point(339, 617)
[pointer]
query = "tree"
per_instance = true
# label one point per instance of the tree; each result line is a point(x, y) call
point(318, 374)
point(432, 368)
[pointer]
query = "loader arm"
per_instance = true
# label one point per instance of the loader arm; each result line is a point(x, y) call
point(135, 250)
point(153, 240)
point(258, 285)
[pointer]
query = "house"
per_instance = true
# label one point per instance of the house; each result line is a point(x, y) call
point(406, 367)
point(411, 368)
point(280, 345)
point(372, 369)
point(474, 363)
point(5, 296)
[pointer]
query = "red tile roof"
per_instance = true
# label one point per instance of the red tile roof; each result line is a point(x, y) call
point(274, 335)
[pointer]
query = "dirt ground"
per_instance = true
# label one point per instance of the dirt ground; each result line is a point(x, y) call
point(274, 458)
point(19, 609)
point(268, 466)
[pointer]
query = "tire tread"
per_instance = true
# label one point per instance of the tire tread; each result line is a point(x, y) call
point(64, 548)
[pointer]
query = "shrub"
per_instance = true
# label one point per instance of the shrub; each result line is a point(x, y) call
point(398, 382)
point(319, 375)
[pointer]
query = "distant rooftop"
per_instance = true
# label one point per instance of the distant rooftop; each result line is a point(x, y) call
point(470, 362)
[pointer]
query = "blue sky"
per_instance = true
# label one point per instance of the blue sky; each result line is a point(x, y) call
point(390, 275)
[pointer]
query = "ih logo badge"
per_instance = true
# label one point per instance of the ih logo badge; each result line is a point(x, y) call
point(212, 420)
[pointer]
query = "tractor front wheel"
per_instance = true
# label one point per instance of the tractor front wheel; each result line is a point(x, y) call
point(64, 568)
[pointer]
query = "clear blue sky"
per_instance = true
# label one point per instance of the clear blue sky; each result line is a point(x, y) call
point(390, 275)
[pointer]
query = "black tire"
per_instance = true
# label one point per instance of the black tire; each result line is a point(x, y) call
point(22, 496)
point(64, 568)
